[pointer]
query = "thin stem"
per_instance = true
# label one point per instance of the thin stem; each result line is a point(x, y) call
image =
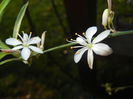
point(109, 5)
point(70, 44)
point(58, 47)
point(121, 33)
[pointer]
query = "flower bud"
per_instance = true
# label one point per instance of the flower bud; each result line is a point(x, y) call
point(105, 18)
point(42, 40)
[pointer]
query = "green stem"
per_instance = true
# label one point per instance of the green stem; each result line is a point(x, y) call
point(58, 47)
point(9, 60)
point(70, 44)
point(121, 33)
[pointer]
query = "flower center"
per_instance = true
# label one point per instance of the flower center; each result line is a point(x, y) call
point(25, 45)
point(89, 45)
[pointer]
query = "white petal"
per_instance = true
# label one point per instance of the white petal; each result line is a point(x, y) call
point(25, 37)
point(90, 58)
point(13, 41)
point(34, 40)
point(17, 48)
point(105, 17)
point(102, 49)
point(81, 41)
point(90, 32)
point(36, 49)
point(79, 54)
point(25, 53)
point(101, 36)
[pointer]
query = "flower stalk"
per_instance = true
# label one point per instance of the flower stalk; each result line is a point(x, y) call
point(59, 47)
point(119, 33)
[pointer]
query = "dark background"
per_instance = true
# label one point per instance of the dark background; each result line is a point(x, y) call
point(54, 75)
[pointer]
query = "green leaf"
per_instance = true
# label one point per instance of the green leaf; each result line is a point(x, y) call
point(3, 45)
point(19, 20)
point(3, 55)
point(3, 5)
point(9, 60)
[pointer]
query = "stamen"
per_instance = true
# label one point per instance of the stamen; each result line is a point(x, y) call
point(76, 47)
point(71, 39)
point(76, 33)
point(71, 47)
point(82, 37)
point(30, 35)
point(83, 33)
point(20, 37)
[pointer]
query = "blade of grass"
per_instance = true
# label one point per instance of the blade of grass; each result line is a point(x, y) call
point(3, 5)
point(19, 20)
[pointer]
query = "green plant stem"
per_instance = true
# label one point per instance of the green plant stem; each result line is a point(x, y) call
point(70, 44)
point(9, 60)
point(120, 33)
point(58, 47)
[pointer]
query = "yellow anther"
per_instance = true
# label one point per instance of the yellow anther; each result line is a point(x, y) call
point(71, 47)
point(22, 31)
point(30, 32)
point(76, 33)
point(71, 39)
point(83, 33)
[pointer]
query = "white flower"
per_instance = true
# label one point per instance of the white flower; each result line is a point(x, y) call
point(91, 45)
point(26, 44)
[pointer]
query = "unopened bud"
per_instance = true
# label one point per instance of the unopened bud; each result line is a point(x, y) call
point(42, 40)
point(105, 17)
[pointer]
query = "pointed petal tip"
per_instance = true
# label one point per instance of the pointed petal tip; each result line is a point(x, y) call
point(90, 32)
point(36, 49)
point(101, 36)
point(25, 53)
point(91, 67)
point(12, 41)
point(78, 55)
point(90, 58)
point(102, 49)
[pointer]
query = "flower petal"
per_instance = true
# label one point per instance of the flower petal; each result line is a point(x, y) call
point(90, 58)
point(36, 49)
point(79, 54)
point(101, 36)
point(102, 49)
point(13, 41)
point(90, 32)
point(17, 47)
point(81, 41)
point(25, 53)
point(34, 40)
